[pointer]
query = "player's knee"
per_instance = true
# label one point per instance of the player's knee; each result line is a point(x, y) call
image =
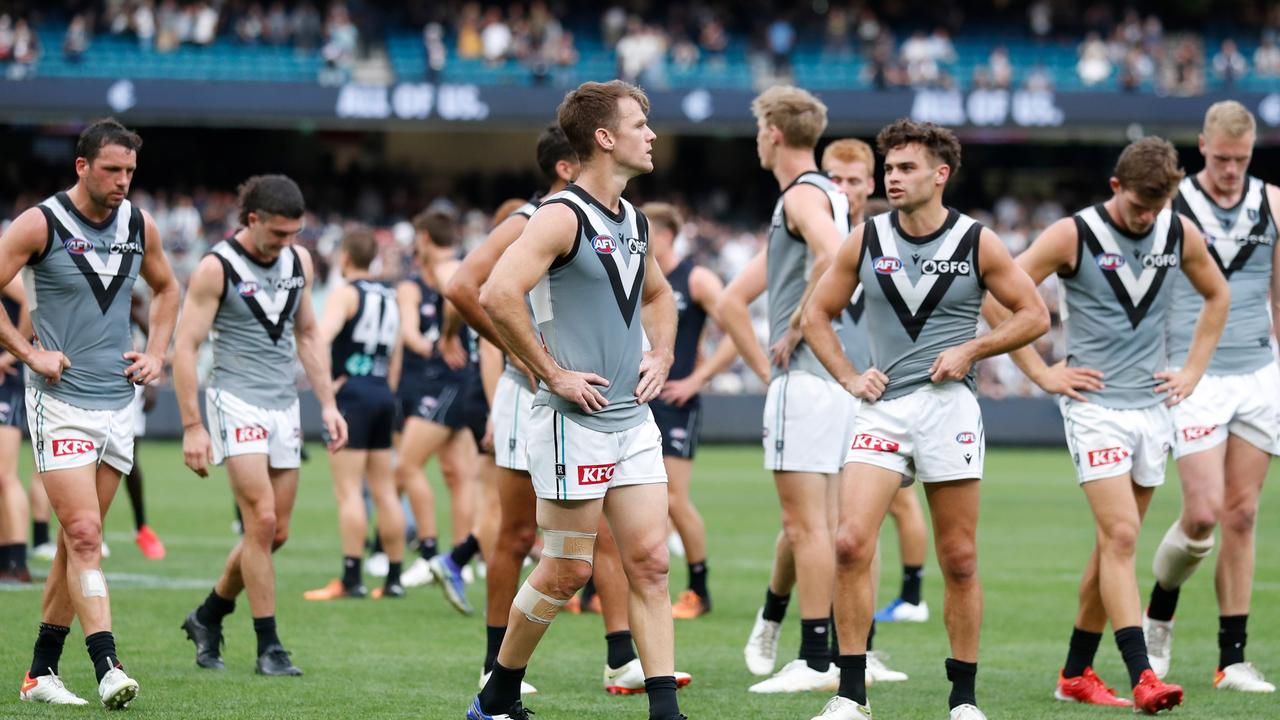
point(519, 540)
point(1240, 520)
point(853, 550)
point(565, 577)
point(1120, 538)
point(9, 480)
point(84, 536)
point(647, 566)
point(958, 562)
point(262, 530)
point(1198, 522)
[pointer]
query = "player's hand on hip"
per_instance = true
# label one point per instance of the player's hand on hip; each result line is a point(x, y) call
point(486, 442)
point(9, 363)
point(146, 368)
point(868, 386)
point(654, 366)
point(679, 392)
point(780, 352)
point(1178, 385)
point(48, 363)
point(1059, 379)
point(335, 428)
point(452, 352)
point(579, 389)
point(197, 450)
point(951, 364)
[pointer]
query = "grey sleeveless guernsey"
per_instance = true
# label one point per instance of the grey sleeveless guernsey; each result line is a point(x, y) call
point(253, 346)
point(79, 290)
point(525, 211)
point(1241, 241)
point(1116, 303)
point(923, 295)
point(587, 308)
point(852, 331)
point(789, 265)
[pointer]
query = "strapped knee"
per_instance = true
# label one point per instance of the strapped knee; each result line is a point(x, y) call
point(569, 545)
point(537, 606)
point(1177, 556)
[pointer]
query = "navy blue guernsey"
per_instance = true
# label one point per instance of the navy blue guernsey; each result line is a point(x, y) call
point(362, 349)
point(690, 318)
point(420, 368)
point(13, 309)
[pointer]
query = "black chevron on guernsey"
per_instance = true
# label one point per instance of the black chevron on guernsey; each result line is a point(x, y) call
point(914, 323)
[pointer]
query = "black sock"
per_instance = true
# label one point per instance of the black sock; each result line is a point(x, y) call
point(853, 677)
point(133, 483)
point(911, 576)
point(775, 606)
point(464, 551)
point(20, 556)
point(835, 636)
point(44, 661)
point(588, 591)
point(13, 556)
point(493, 643)
point(350, 572)
point(39, 532)
point(963, 676)
point(1081, 651)
point(815, 649)
point(265, 628)
point(427, 548)
point(502, 691)
point(1163, 603)
point(698, 581)
point(377, 544)
point(1133, 648)
point(620, 650)
point(393, 574)
point(871, 636)
point(214, 608)
point(1232, 636)
point(102, 652)
point(662, 697)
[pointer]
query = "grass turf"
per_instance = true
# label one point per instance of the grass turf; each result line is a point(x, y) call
point(417, 658)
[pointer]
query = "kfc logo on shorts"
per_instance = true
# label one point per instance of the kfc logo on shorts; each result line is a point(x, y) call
point(887, 265)
point(250, 434)
point(603, 244)
point(863, 441)
point(595, 474)
point(1195, 433)
point(1107, 456)
point(966, 438)
point(71, 446)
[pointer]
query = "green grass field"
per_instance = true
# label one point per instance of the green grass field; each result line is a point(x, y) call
point(417, 658)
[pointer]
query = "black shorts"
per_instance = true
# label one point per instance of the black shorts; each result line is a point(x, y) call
point(370, 411)
point(456, 405)
point(680, 427)
point(13, 404)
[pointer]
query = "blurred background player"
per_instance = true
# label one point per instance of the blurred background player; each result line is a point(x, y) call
point(144, 400)
point(1117, 262)
point(13, 498)
point(84, 249)
point(1227, 430)
point(677, 409)
point(253, 290)
point(443, 405)
point(361, 327)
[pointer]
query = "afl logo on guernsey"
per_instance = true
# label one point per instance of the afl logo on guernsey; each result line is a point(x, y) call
point(966, 438)
point(247, 288)
point(77, 246)
point(603, 244)
point(887, 265)
point(1109, 261)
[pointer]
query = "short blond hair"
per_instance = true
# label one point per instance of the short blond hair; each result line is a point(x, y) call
point(800, 116)
point(664, 215)
point(850, 150)
point(1229, 118)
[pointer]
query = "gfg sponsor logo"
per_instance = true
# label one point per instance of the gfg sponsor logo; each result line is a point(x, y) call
point(595, 474)
point(863, 441)
point(887, 265)
point(1159, 260)
point(1107, 456)
point(71, 446)
point(945, 267)
point(126, 247)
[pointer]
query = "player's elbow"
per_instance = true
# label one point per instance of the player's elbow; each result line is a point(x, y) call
point(461, 288)
point(812, 317)
point(1040, 318)
point(492, 296)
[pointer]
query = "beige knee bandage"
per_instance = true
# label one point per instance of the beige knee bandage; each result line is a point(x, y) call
point(537, 606)
point(569, 545)
point(1177, 557)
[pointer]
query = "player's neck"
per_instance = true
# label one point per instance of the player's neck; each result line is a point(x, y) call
point(242, 239)
point(353, 275)
point(604, 181)
point(667, 260)
point(1224, 198)
point(557, 186)
point(87, 207)
point(923, 220)
point(790, 163)
point(856, 219)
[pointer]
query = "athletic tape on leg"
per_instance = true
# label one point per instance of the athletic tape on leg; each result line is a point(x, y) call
point(569, 545)
point(92, 584)
point(536, 606)
point(1177, 556)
